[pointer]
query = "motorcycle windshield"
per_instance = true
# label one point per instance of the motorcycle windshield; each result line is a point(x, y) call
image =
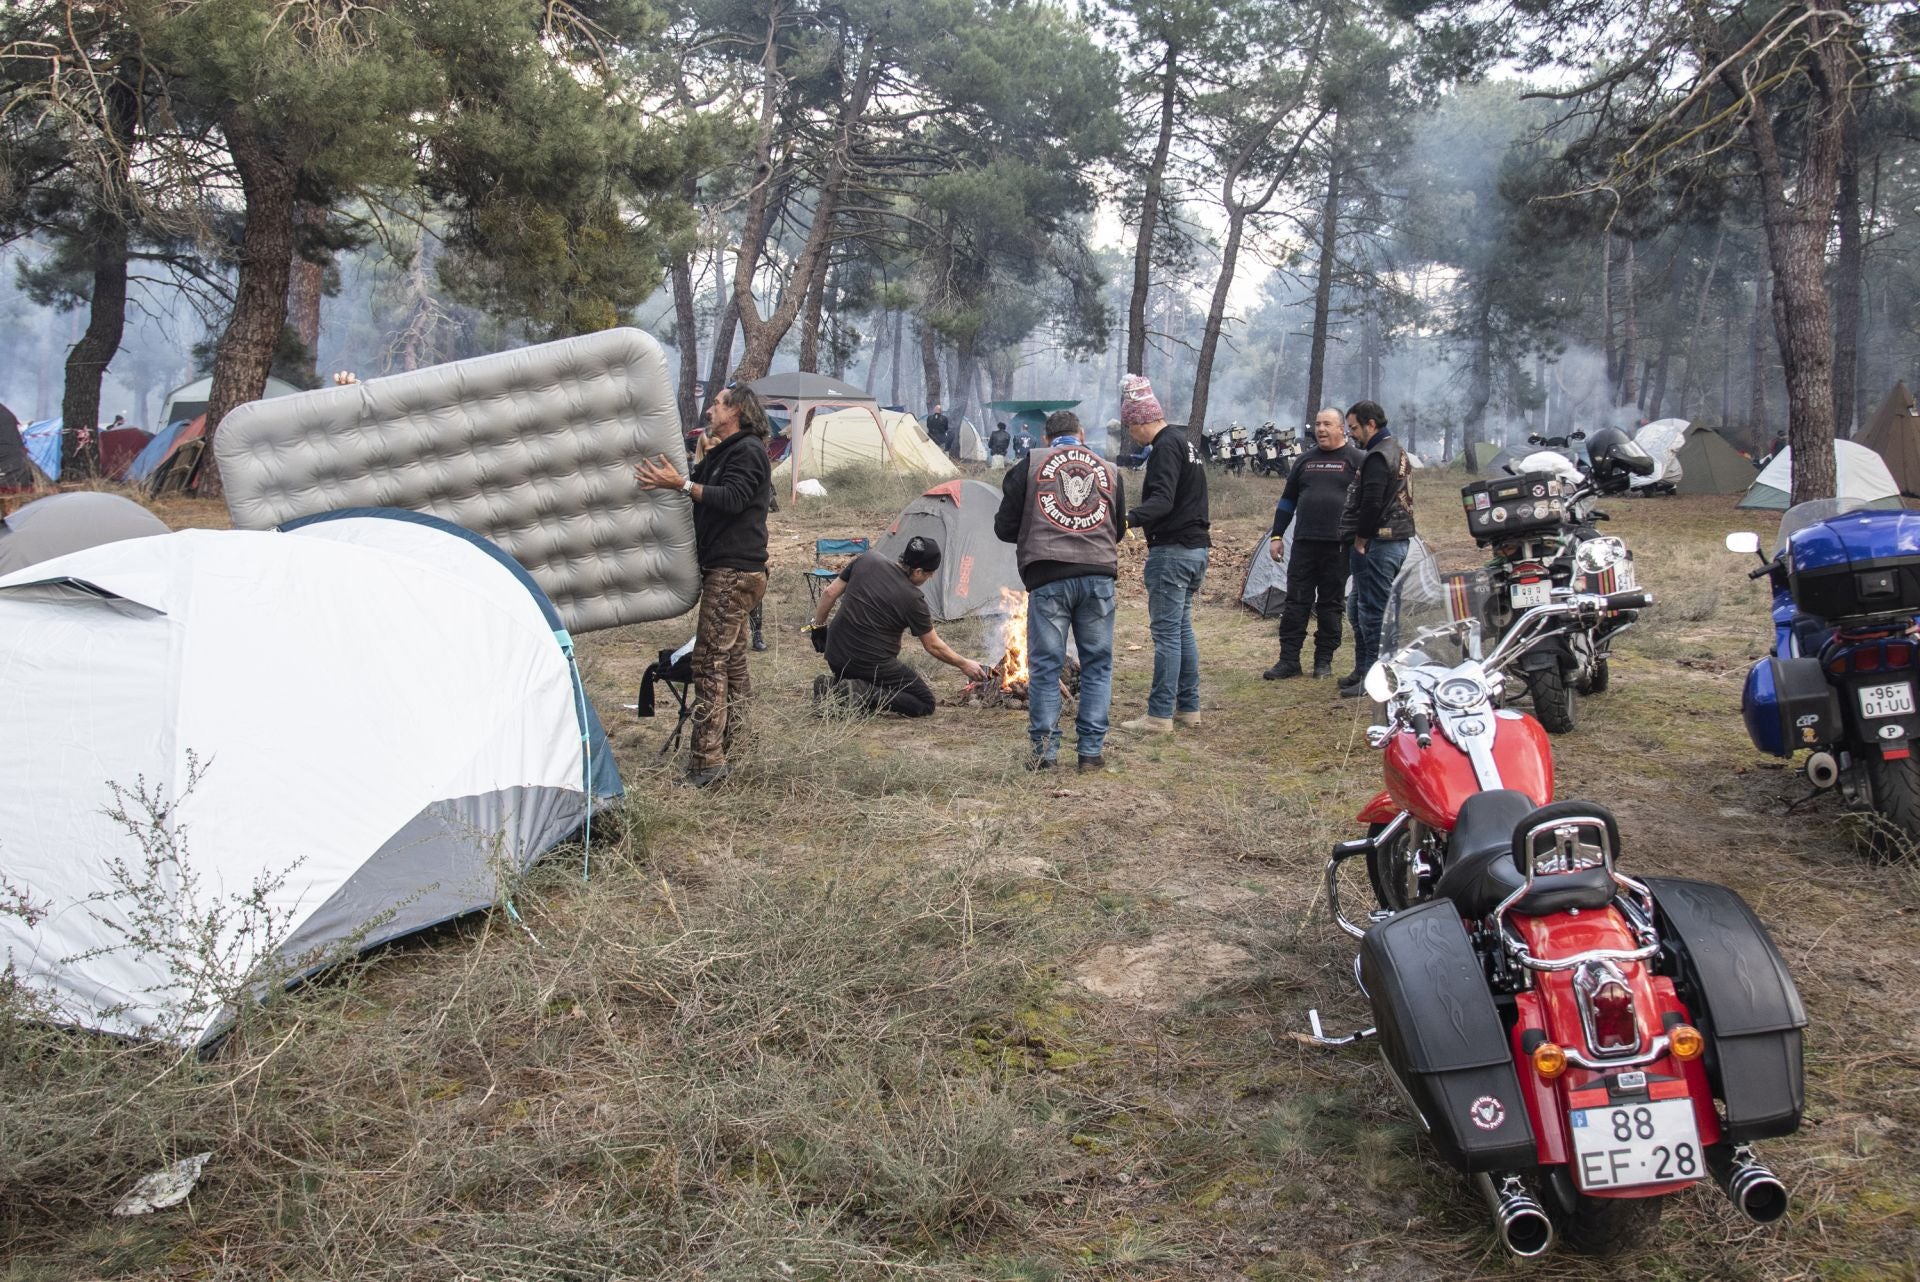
point(1812, 512)
point(1433, 614)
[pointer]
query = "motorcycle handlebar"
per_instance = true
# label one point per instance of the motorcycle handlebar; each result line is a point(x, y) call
point(1629, 600)
point(1422, 727)
point(1762, 572)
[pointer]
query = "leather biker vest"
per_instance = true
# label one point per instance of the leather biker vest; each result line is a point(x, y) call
point(1396, 515)
point(1068, 514)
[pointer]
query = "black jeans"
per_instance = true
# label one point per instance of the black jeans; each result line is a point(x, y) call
point(888, 687)
point(1316, 584)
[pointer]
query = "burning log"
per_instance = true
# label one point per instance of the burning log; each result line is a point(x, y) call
point(1006, 682)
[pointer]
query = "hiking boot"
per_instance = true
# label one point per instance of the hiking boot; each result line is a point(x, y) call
point(1036, 762)
point(1149, 724)
point(1356, 691)
point(1322, 668)
point(1189, 720)
point(708, 777)
point(1353, 678)
point(1282, 671)
point(759, 640)
point(1095, 762)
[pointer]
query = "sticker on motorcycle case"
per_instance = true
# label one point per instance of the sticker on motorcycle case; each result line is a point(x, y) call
point(1539, 491)
point(1810, 719)
point(1893, 732)
point(1487, 1113)
point(1483, 500)
point(1499, 516)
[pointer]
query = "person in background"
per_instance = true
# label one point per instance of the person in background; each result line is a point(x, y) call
point(1315, 496)
point(940, 428)
point(997, 445)
point(1378, 517)
point(1063, 509)
point(731, 490)
point(1173, 512)
point(879, 600)
point(1022, 442)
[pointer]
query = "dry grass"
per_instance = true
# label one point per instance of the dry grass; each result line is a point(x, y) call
point(824, 1024)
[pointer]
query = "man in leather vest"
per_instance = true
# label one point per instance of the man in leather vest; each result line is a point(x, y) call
point(1379, 519)
point(1063, 508)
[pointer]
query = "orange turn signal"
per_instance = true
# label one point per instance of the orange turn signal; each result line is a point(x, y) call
point(1549, 1060)
point(1686, 1042)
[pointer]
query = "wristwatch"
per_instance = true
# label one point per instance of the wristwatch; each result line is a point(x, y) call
point(686, 487)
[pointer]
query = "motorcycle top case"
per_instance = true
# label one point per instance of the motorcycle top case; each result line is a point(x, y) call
point(1443, 1038)
point(1857, 565)
point(1788, 705)
point(1504, 506)
point(1740, 994)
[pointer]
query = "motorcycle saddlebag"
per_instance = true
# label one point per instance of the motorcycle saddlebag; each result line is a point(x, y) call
point(1444, 1040)
point(1789, 704)
point(1505, 506)
point(1737, 988)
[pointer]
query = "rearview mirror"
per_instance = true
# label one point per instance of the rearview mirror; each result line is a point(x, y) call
point(1534, 438)
point(1578, 436)
point(1380, 683)
point(1743, 541)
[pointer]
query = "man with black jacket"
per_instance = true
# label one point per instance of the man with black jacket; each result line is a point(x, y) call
point(731, 490)
point(939, 430)
point(1173, 512)
point(1064, 509)
point(1379, 518)
point(1315, 496)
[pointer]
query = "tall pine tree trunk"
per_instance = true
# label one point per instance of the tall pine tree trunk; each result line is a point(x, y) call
point(1607, 332)
point(244, 356)
point(1216, 317)
point(1150, 215)
point(306, 285)
point(1323, 285)
point(1847, 271)
point(1699, 323)
point(1626, 393)
point(930, 364)
point(686, 327)
point(810, 311)
point(107, 300)
point(1757, 425)
point(893, 389)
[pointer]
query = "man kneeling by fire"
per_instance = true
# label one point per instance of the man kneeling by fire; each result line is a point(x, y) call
point(880, 600)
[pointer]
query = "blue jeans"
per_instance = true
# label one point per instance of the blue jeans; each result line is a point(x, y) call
point(1083, 605)
point(1373, 574)
point(1173, 578)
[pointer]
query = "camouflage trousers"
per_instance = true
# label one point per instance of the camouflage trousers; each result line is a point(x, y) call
point(721, 686)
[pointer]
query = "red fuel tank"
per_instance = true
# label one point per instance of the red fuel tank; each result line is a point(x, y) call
point(1432, 782)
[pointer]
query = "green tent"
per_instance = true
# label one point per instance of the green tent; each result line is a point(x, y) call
point(1894, 434)
point(1480, 455)
point(1708, 465)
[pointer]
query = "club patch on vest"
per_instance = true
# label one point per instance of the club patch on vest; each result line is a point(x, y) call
point(1072, 487)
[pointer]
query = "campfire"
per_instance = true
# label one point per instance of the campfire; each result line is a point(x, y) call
point(1006, 682)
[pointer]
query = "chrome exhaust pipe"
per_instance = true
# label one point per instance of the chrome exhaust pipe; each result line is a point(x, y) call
point(1756, 1191)
point(1520, 1220)
point(1822, 770)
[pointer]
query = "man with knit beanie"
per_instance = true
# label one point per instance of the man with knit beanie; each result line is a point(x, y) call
point(1173, 512)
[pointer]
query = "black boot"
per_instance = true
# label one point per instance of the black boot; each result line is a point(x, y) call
point(1322, 667)
point(1281, 671)
point(1354, 678)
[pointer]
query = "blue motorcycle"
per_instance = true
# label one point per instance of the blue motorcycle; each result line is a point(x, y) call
point(1839, 684)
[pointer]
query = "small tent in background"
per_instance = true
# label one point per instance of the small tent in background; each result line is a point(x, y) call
point(189, 401)
point(63, 523)
point(975, 566)
point(1894, 434)
point(1264, 590)
point(1511, 455)
point(118, 448)
point(973, 446)
point(802, 397)
point(17, 471)
point(1859, 474)
point(42, 440)
point(168, 461)
point(1662, 440)
point(1480, 455)
point(847, 438)
point(370, 724)
point(1708, 465)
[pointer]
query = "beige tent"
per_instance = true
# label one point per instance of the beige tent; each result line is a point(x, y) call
point(851, 437)
point(1894, 434)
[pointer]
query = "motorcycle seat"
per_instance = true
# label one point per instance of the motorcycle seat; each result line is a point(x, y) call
point(1481, 871)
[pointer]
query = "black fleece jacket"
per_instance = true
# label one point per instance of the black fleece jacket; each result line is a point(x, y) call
point(730, 519)
point(1173, 494)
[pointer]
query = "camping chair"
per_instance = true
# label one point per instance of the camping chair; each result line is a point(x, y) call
point(822, 574)
point(674, 669)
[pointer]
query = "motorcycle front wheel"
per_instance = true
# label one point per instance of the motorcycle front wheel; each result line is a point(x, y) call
point(1893, 790)
point(1553, 699)
point(1600, 1226)
point(1391, 868)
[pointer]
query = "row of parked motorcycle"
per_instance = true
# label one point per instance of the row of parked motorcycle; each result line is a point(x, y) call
point(1582, 1043)
point(1267, 450)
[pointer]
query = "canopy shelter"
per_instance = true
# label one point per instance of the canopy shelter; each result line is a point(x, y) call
point(1894, 434)
point(71, 522)
point(1708, 465)
point(1029, 416)
point(368, 724)
point(1859, 474)
point(1480, 455)
point(800, 396)
point(852, 437)
point(532, 449)
point(189, 400)
point(977, 571)
point(17, 471)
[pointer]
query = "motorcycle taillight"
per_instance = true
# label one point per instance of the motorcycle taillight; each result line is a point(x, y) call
point(1614, 1027)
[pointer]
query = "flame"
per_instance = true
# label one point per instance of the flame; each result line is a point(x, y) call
point(1013, 669)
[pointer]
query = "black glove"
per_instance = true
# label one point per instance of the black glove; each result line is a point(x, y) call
point(819, 636)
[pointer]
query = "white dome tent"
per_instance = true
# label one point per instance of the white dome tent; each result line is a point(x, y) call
point(364, 724)
point(1859, 474)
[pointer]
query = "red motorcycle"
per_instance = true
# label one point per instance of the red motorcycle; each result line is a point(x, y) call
point(1581, 1043)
